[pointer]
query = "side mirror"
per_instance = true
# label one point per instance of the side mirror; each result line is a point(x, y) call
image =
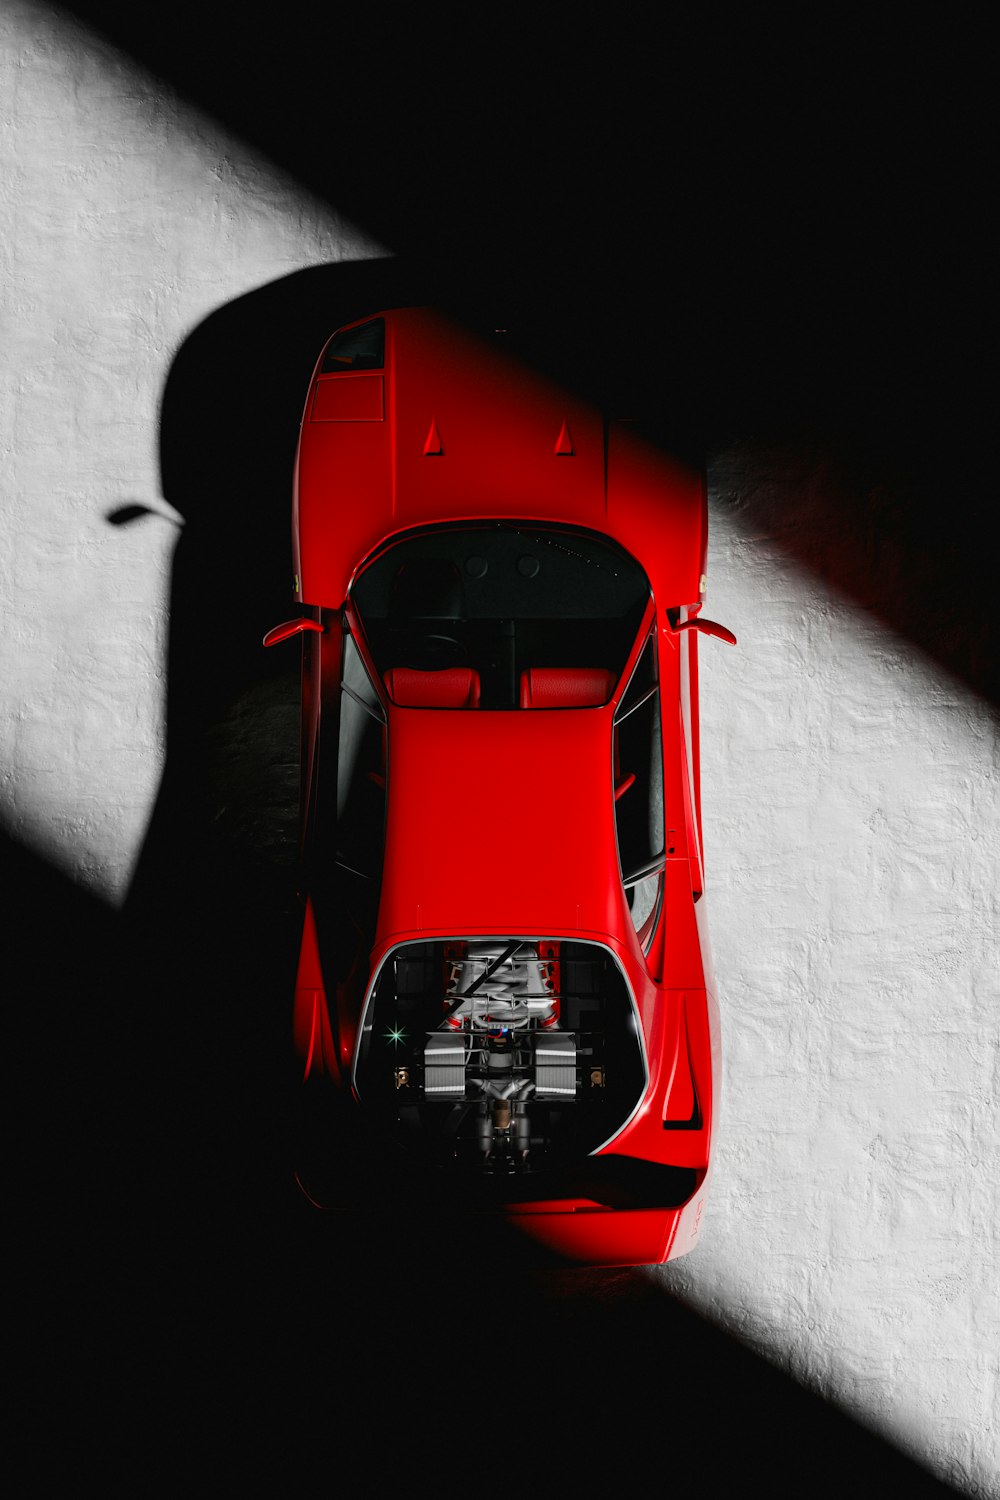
point(707, 627)
point(291, 627)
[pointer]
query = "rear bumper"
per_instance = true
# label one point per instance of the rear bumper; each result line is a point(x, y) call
point(594, 1236)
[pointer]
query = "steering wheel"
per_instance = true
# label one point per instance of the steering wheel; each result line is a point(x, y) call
point(440, 650)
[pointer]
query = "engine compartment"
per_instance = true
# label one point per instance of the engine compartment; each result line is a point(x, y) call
point(502, 1055)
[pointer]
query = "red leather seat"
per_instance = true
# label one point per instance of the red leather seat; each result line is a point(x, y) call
point(565, 687)
point(449, 687)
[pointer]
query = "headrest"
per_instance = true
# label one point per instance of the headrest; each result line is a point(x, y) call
point(450, 687)
point(565, 687)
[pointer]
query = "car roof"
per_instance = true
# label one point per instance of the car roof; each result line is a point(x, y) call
point(500, 822)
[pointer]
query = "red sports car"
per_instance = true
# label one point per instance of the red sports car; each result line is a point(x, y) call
point(504, 974)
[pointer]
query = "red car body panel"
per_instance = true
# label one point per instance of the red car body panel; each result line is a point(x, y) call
point(534, 770)
point(452, 430)
point(493, 429)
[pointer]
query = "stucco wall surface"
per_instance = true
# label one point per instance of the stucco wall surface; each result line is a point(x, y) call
point(126, 220)
point(850, 788)
point(851, 812)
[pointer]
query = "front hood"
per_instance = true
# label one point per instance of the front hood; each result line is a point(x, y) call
point(455, 429)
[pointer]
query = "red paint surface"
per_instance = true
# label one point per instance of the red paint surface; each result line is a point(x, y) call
point(462, 433)
point(498, 426)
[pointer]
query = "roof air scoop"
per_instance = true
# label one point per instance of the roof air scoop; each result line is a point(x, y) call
point(564, 442)
point(432, 443)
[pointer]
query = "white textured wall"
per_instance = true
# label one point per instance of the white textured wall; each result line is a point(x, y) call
point(852, 803)
point(126, 220)
point(850, 789)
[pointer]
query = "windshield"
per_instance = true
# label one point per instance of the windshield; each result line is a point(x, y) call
point(502, 601)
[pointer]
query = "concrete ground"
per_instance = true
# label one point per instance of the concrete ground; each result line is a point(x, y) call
point(849, 774)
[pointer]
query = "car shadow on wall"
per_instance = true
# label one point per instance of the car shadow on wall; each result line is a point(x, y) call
point(244, 1293)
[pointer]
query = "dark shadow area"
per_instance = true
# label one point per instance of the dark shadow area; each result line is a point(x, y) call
point(180, 1327)
point(767, 231)
point(386, 1350)
point(682, 243)
point(62, 973)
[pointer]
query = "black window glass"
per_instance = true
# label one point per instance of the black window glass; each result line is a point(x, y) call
point(356, 680)
point(360, 770)
point(346, 838)
point(642, 683)
point(502, 598)
point(638, 763)
point(361, 348)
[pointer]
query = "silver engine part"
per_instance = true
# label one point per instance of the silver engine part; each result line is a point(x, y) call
point(520, 990)
point(555, 1065)
point(444, 1065)
point(500, 1042)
